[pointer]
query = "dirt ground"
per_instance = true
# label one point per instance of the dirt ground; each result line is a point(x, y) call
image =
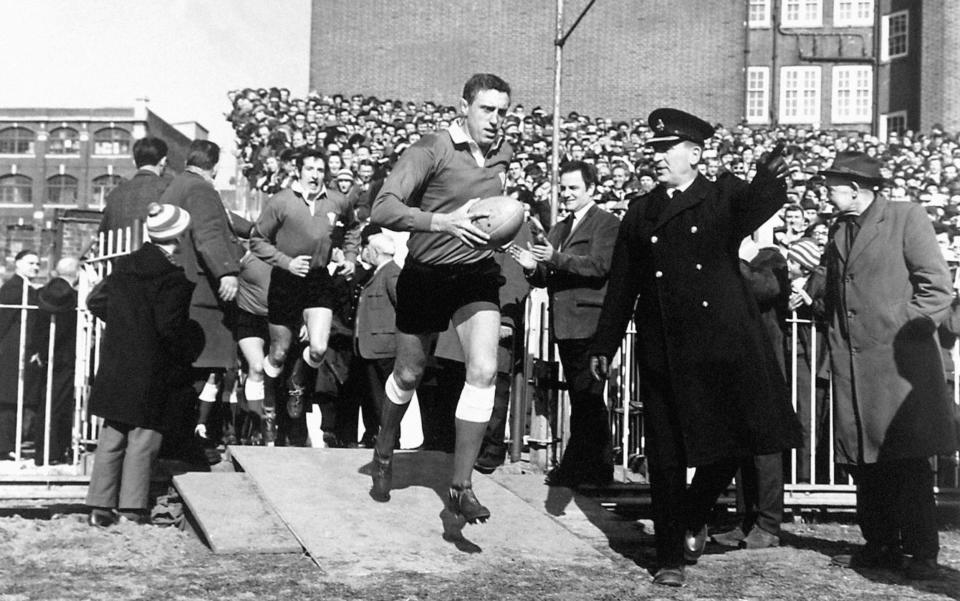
point(50, 554)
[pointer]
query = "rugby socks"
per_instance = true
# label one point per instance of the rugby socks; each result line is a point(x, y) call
point(475, 404)
point(397, 395)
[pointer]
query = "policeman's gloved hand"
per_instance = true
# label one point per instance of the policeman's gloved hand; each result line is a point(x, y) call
point(773, 164)
point(599, 367)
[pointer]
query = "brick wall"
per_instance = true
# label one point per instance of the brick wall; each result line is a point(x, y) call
point(626, 58)
point(940, 101)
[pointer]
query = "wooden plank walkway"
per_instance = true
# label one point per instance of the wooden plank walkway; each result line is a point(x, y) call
point(323, 497)
point(232, 514)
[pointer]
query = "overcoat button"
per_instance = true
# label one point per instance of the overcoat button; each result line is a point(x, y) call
point(659, 274)
point(693, 230)
point(653, 239)
point(699, 267)
point(705, 304)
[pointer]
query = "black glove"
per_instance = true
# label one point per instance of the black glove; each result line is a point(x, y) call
point(599, 367)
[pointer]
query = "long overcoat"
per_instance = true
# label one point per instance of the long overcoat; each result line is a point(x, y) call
point(11, 293)
point(210, 250)
point(884, 301)
point(149, 340)
point(708, 376)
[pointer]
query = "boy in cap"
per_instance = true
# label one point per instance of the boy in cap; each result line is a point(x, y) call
point(706, 406)
point(148, 346)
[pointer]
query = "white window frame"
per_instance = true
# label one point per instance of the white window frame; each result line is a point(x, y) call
point(853, 20)
point(760, 23)
point(812, 117)
point(854, 73)
point(801, 22)
point(884, 125)
point(885, 55)
point(764, 116)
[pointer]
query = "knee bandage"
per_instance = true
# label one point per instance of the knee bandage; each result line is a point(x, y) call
point(270, 369)
point(475, 404)
point(253, 391)
point(397, 395)
point(308, 360)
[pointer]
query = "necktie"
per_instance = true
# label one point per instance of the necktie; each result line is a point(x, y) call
point(851, 228)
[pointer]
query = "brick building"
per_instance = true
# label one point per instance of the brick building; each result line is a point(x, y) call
point(58, 164)
point(850, 64)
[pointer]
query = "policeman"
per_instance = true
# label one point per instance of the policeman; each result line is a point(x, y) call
point(708, 377)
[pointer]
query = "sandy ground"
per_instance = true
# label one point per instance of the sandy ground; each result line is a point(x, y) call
point(49, 553)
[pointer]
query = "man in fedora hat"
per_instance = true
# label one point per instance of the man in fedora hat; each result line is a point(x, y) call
point(888, 288)
point(712, 389)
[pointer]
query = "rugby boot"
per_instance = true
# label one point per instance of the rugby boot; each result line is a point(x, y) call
point(382, 477)
point(693, 544)
point(269, 427)
point(463, 501)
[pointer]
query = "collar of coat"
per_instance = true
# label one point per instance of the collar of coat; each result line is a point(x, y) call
point(869, 230)
point(695, 194)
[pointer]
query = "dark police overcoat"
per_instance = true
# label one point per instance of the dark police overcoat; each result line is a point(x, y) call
point(708, 377)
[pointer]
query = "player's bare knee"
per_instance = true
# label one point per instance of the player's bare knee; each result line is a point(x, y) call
point(482, 374)
point(407, 377)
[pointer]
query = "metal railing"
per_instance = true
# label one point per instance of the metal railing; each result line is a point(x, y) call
point(812, 477)
point(89, 331)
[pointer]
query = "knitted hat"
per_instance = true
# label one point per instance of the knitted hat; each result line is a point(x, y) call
point(804, 252)
point(166, 222)
point(345, 175)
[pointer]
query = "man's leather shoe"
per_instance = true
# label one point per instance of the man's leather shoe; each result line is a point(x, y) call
point(883, 557)
point(922, 569)
point(382, 477)
point(462, 500)
point(669, 577)
point(729, 539)
point(560, 477)
point(101, 518)
point(758, 538)
point(693, 544)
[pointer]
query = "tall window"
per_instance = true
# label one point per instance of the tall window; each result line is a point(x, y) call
point(64, 140)
point(111, 140)
point(103, 185)
point(62, 189)
point(758, 94)
point(853, 12)
point(852, 100)
point(759, 15)
point(16, 188)
point(895, 35)
point(802, 13)
point(893, 123)
point(17, 140)
point(800, 95)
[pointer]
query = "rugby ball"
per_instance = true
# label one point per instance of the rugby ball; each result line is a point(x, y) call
point(504, 219)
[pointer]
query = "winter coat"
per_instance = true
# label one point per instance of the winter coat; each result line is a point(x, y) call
point(709, 379)
point(883, 304)
point(149, 341)
point(210, 250)
point(11, 293)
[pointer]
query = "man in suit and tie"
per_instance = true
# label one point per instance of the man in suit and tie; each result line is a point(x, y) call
point(573, 264)
point(376, 328)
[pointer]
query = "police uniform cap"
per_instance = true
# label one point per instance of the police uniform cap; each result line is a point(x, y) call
point(674, 125)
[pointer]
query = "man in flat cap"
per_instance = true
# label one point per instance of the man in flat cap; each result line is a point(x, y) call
point(708, 377)
point(888, 288)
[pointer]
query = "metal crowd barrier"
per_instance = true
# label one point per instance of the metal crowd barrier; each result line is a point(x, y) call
point(85, 430)
point(812, 479)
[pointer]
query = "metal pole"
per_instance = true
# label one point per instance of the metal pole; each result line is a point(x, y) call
point(555, 153)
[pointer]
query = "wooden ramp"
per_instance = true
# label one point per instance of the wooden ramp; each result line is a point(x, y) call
point(323, 497)
point(232, 515)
